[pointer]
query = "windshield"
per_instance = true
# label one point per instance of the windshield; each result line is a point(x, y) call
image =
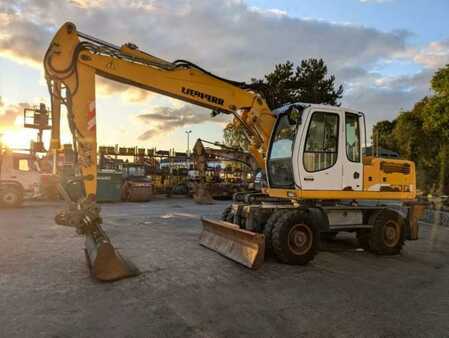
point(280, 171)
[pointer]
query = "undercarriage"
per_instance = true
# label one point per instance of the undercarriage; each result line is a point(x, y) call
point(292, 230)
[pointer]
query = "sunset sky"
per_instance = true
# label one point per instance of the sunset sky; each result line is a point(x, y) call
point(383, 51)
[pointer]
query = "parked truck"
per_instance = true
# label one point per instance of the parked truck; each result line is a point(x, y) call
point(20, 177)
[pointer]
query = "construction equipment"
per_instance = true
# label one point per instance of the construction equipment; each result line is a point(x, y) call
point(39, 119)
point(20, 177)
point(136, 185)
point(204, 191)
point(312, 155)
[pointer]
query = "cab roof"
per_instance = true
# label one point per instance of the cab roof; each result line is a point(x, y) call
point(304, 105)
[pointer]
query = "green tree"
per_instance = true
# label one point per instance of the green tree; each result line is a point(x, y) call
point(312, 84)
point(309, 82)
point(436, 119)
point(422, 135)
point(382, 135)
point(418, 144)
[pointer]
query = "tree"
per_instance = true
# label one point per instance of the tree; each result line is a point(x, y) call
point(418, 144)
point(309, 82)
point(312, 85)
point(436, 119)
point(422, 135)
point(382, 135)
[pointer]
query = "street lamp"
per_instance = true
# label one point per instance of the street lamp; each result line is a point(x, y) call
point(188, 132)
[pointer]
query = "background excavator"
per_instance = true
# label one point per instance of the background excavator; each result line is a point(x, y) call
point(312, 155)
point(204, 191)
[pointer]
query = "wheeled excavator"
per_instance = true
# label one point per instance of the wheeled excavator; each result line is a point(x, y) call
point(318, 178)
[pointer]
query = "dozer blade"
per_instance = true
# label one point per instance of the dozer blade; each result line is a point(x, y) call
point(242, 246)
point(105, 263)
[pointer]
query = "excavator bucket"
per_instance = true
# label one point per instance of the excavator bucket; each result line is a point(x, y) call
point(105, 263)
point(242, 246)
point(202, 194)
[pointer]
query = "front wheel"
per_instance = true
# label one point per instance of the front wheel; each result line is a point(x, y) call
point(293, 241)
point(11, 197)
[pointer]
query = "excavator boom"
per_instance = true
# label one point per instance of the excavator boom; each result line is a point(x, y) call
point(71, 64)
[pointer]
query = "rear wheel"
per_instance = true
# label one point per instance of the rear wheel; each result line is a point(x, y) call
point(11, 197)
point(387, 235)
point(295, 242)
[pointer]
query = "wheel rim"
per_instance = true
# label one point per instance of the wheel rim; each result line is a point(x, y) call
point(392, 231)
point(300, 239)
point(9, 198)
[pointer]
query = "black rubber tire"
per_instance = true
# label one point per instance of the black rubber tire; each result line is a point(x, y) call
point(363, 237)
point(268, 230)
point(378, 242)
point(227, 214)
point(11, 197)
point(280, 239)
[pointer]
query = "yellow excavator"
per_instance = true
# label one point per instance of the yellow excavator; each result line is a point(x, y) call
point(318, 178)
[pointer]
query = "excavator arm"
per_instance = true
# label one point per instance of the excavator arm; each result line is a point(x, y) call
point(73, 59)
point(71, 64)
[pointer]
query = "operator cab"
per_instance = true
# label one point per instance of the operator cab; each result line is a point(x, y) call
point(316, 147)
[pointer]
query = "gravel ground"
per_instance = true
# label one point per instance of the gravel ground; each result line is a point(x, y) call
point(186, 290)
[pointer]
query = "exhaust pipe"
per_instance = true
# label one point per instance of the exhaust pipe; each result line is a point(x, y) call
point(244, 247)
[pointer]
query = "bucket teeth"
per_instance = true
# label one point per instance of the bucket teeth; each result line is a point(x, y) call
point(105, 262)
point(242, 246)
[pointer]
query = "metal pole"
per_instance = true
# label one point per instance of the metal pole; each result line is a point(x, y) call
point(188, 147)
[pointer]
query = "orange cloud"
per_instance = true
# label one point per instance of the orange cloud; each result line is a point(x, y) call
point(9, 114)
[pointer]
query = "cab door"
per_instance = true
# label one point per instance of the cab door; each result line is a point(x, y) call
point(352, 159)
point(22, 170)
point(320, 153)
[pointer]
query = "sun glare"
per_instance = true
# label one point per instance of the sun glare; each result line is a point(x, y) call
point(17, 139)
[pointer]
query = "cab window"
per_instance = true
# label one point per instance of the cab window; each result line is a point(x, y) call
point(321, 148)
point(280, 158)
point(22, 164)
point(352, 130)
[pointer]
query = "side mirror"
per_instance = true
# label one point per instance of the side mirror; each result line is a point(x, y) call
point(295, 115)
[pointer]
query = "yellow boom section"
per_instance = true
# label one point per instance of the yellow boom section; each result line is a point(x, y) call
point(73, 59)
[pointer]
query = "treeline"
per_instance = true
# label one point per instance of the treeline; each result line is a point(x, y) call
point(422, 135)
